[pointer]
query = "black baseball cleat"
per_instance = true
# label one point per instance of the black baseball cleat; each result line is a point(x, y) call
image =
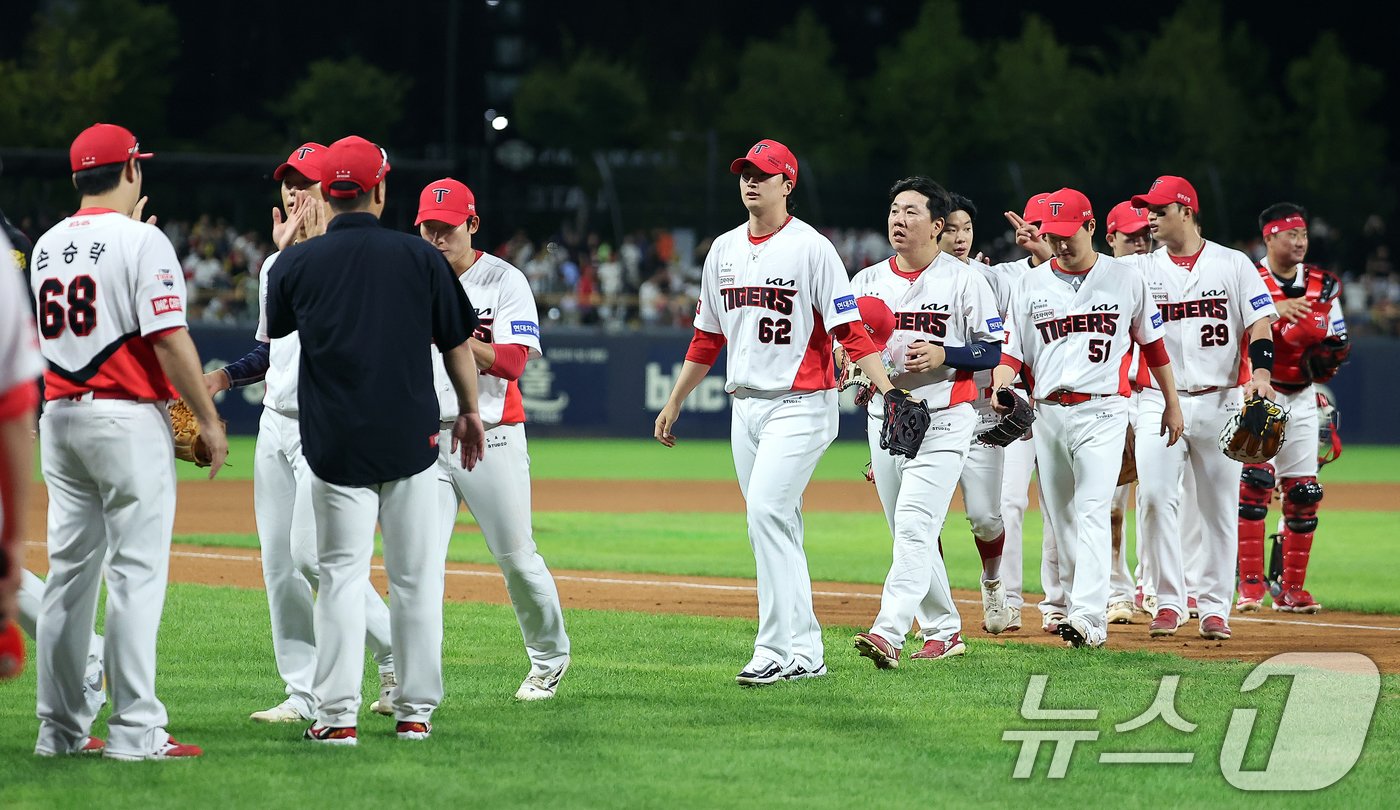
point(1071, 635)
point(760, 673)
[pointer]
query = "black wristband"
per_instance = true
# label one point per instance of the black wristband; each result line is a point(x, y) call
point(1261, 354)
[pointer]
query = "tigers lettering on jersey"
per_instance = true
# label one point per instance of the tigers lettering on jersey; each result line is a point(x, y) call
point(929, 323)
point(1105, 323)
point(777, 299)
point(1213, 305)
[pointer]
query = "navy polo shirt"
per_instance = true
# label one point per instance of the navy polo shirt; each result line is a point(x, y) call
point(366, 302)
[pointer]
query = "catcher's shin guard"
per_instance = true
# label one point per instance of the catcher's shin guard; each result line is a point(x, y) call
point(1256, 489)
point(1300, 499)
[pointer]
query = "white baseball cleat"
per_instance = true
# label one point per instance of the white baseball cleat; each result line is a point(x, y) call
point(95, 684)
point(285, 712)
point(542, 687)
point(995, 614)
point(385, 704)
point(1120, 612)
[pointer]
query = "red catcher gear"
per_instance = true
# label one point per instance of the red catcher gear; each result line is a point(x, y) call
point(1292, 340)
point(1300, 498)
point(1329, 437)
point(1256, 490)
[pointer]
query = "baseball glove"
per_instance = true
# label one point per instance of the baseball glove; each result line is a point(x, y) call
point(1322, 359)
point(189, 444)
point(1255, 434)
point(855, 377)
point(906, 422)
point(1127, 471)
point(1015, 421)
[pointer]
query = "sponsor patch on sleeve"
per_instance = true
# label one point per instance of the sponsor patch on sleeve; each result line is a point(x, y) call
point(845, 303)
point(1260, 301)
point(1157, 319)
point(525, 328)
point(167, 303)
point(994, 325)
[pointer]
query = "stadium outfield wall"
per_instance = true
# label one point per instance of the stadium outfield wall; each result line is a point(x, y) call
point(594, 383)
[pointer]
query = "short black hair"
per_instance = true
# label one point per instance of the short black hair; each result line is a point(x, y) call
point(99, 179)
point(940, 204)
point(961, 203)
point(1281, 210)
point(342, 205)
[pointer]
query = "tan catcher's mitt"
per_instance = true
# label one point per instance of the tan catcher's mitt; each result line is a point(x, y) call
point(1255, 434)
point(189, 444)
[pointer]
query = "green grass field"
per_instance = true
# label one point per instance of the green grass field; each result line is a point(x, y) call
point(650, 717)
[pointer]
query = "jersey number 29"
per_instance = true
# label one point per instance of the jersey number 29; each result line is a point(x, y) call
point(81, 313)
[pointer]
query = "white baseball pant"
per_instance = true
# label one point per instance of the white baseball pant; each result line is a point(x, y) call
point(777, 443)
point(287, 537)
point(1017, 468)
point(915, 493)
point(1078, 450)
point(31, 599)
point(498, 494)
point(110, 470)
point(1217, 498)
point(407, 511)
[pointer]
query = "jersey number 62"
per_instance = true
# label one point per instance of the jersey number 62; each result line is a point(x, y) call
point(774, 330)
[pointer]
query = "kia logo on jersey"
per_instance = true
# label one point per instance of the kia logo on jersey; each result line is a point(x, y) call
point(1213, 294)
point(1103, 307)
point(780, 282)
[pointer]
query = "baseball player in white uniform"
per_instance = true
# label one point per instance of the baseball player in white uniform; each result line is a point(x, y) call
point(775, 289)
point(946, 326)
point(282, 479)
point(1072, 321)
point(498, 491)
point(111, 303)
point(1308, 300)
point(1213, 301)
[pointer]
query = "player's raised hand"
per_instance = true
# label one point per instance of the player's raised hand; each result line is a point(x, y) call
point(284, 233)
point(216, 381)
point(983, 258)
point(1291, 309)
point(665, 421)
point(469, 436)
point(314, 223)
point(1028, 236)
point(140, 208)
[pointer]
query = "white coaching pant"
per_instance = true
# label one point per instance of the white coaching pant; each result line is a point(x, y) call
point(915, 493)
point(1217, 498)
point(407, 510)
point(287, 537)
point(31, 603)
point(777, 443)
point(1018, 466)
point(1078, 449)
point(110, 470)
point(498, 494)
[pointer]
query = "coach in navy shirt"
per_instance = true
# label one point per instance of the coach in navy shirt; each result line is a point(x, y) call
point(367, 302)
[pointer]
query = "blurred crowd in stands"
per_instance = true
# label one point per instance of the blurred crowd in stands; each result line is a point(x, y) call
point(652, 278)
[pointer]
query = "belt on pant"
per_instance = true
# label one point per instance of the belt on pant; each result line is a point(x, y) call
point(88, 396)
point(1071, 397)
point(1198, 391)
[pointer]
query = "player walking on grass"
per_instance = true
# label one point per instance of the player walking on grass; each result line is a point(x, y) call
point(1072, 321)
point(1214, 303)
point(775, 290)
point(111, 302)
point(366, 302)
point(1311, 340)
point(282, 479)
point(946, 326)
point(20, 366)
point(498, 491)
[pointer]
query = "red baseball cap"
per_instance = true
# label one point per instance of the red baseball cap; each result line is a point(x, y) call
point(103, 145)
point(1035, 208)
point(351, 166)
point(1066, 211)
point(446, 200)
point(1169, 189)
point(769, 157)
point(1124, 218)
point(305, 159)
point(877, 318)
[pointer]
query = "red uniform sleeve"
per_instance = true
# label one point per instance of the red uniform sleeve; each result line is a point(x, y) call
point(704, 347)
point(161, 334)
point(854, 339)
point(18, 400)
point(1010, 362)
point(510, 361)
point(1154, 354)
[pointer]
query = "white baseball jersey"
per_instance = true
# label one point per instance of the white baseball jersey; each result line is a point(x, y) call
point(506, 308)
point(783, 294)
point(284, 355)
point(1001, 277)
point(1207, 311)
point(104, 283)
point(20, 361)
point(1079, 340)
point(950, 304)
